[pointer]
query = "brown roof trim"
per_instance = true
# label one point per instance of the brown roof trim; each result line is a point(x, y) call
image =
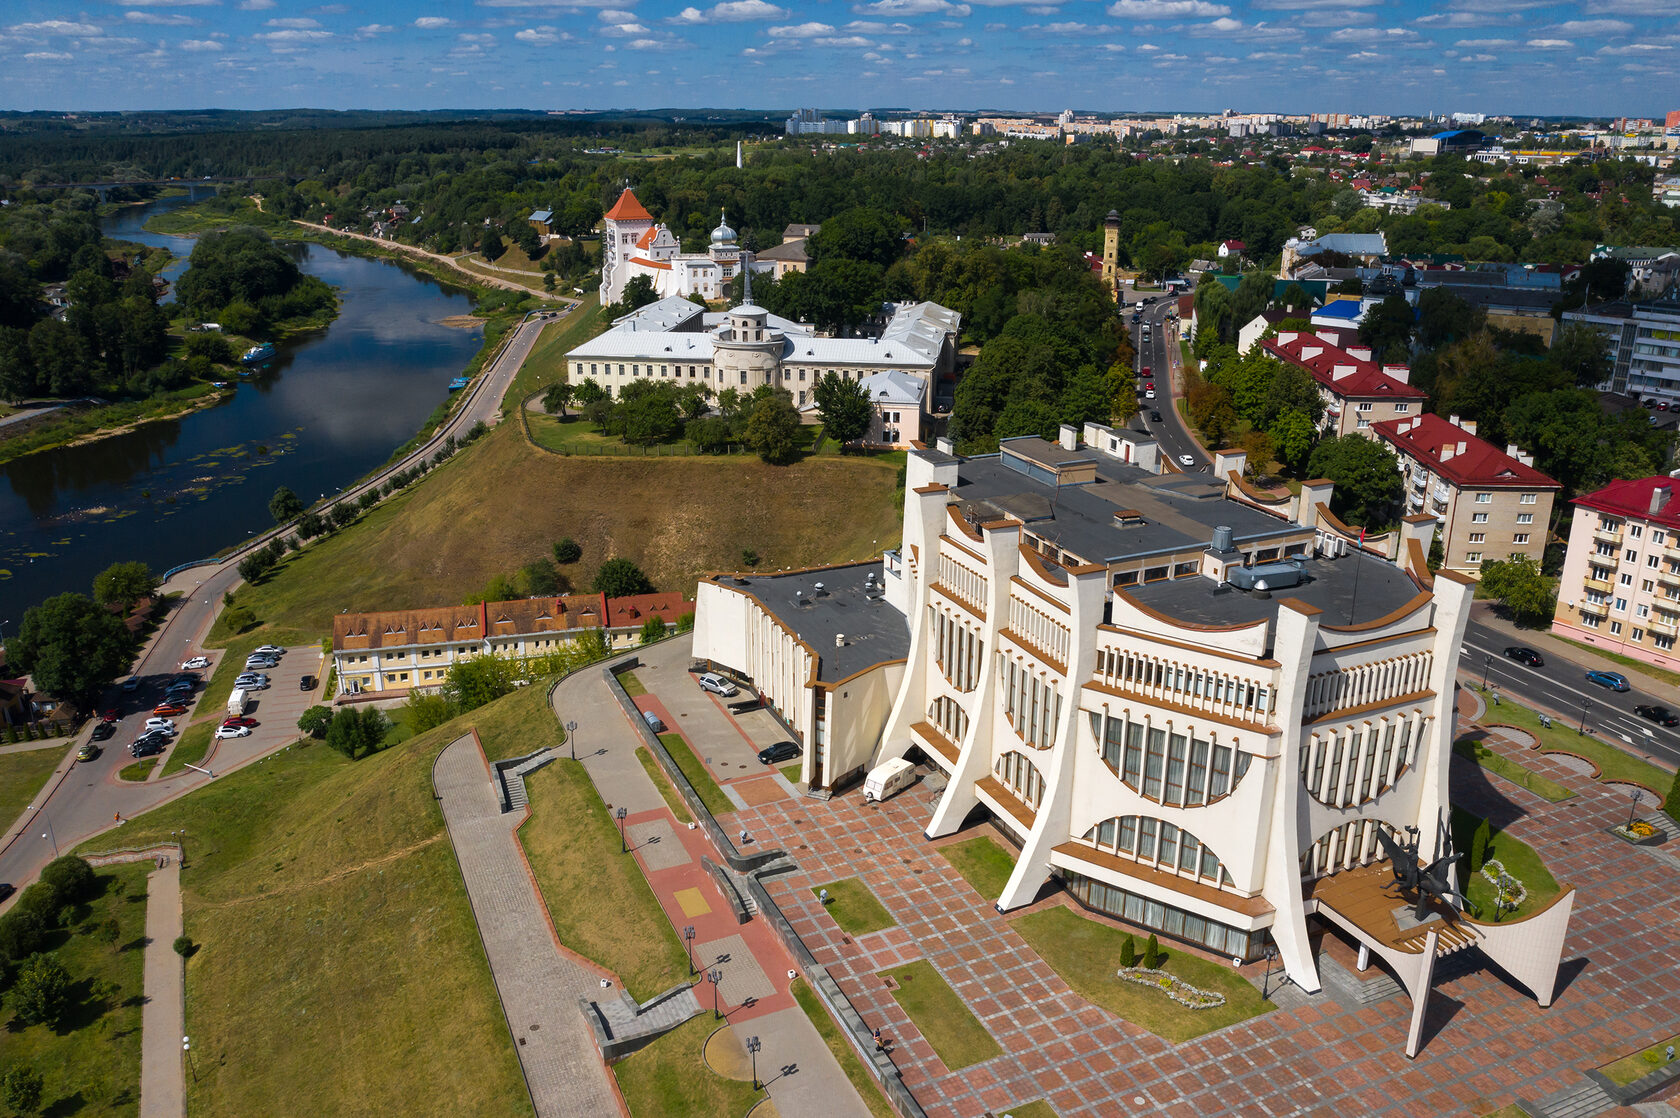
point(1455, 576)
point(961, 523)
point(1344, 713)
point(1179, 623)
point(1252, 907)
point(1041, 566)
point(1023, 815)
point(1421, 599)
point(1036, 653)
point(936, 487)
point(974, 555)
point(1222, 653)
point(1317, 481)
point(1392, 638)
point(856, 674)
point(1300, 607)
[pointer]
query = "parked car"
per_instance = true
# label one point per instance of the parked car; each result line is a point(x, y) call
point(307, 683)
point(155, 723)
point(260, 663)
point(233, 731)
point(104, 730)
point(255, 682)
point(1149, 384)
point(111, 715)
point(781, 751)
point(1149, 394)
point(169, 708)
point(1661, 715)
point(268, 650)
point(6, 889)
point(1526, 656)
point(132, 683)
point(87, 752)
point(1613, 680)
point(1186, 461)
point(717, 685)
point(155, 735)
point(182, 687)
point(239, 722)
point(149, 749)
point(196, 662)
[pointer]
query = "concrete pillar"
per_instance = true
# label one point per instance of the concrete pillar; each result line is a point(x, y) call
point(1314, 493)
point(1453, 592)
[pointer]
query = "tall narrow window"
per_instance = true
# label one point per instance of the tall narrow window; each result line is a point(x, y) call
point(1177, 748)
point(1154, 763)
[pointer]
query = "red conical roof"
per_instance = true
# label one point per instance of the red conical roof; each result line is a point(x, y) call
point(628, 209)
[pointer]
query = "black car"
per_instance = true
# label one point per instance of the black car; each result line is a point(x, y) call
point(1662, 716)
point(6, 890)
point(1155, 417)
point(307, 683)
point(781, 751)
point(104, 730)
point(145, 749)
point(1526, 656)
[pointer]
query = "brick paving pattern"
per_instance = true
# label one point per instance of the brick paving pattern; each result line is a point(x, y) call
point(1486, 1041)
point(539, 985)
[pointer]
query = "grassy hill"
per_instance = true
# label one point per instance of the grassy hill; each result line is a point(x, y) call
point(499, 504)
point(339, 970)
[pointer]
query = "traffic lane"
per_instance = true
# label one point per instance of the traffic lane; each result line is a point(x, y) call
point(1562, 671)
point(1555, 689)
point(1169, 431)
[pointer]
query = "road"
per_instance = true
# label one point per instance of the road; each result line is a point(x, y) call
point(81, 801)
point(1161, 356)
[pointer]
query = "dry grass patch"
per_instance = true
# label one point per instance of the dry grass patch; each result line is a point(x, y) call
point(669, 1079)
point(24, 773)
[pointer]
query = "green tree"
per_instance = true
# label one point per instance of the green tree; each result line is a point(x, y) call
point(844, 406)
point(285, 505)
point(110, 931)
point(124, 585)
point(557, 397)
point(315, 721)
point(1367, 477)
point(469, 684)
point(357, 732)
point(567, 551)
point(72, 646)
point(428, 709)
point(1519, 586)
point(72, 878)
point(1128, 952)
point(1387, 329)
point(1152, 953)
point(772, 429)
point(537, 579)
point(1671, 803)
point(620, 578)
point(1582, 353)
point(20, 1089)
point(653, 629)
point(1446, 317)
point(183, 945)
point(861, 233)
point(40, 993)
point(1479, 845)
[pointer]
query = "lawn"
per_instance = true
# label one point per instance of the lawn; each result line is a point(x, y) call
point(632, 686)
point(1613, 764)
point(1086, 954)
point(138, 771)
point(24, 773)
point(192, 746)
point(669, 1078)
point(340, 970)
point(1640, 1064)
point(1519, 860)
point(663, 783)
point(1520, 775)
point(983, 862)
point(1035, 1109)
point(600, 903)
point(792, 773)
point(854, 907)
point(710, 794)
point(957, 1036)
point(440, 540)
point(862, 1081)
point(574, 435)
point(90, 1064)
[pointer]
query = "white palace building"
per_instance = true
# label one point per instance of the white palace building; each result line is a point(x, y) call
point(633, 244)
point(1192, 712)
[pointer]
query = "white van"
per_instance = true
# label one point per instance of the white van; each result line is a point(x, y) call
point(237, 702)
point(888, 779)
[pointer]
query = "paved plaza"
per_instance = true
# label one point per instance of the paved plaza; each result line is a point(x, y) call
point(1486, 1042)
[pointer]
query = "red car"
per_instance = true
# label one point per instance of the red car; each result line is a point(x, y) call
point(246, 722)
point(1149, 386)
point(167, 710)
point(112, 715)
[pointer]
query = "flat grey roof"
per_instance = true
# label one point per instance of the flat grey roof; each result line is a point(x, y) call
point(875, 631)
point(1176, 511)
point(1381, 589)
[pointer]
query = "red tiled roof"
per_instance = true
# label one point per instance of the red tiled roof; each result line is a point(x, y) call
point(636, 609)
point(1633, 498)
point(1436, 442)
point(647, 238)
point(1235, 246)
point(1340, 371)
point(646, 263)
point(443, 624)
point(628, 209)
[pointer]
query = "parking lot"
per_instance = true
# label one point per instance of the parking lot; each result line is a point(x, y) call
point(728, 743)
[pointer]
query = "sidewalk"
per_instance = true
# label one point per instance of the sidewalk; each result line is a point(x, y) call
point(754, 994)
point(163, 1089)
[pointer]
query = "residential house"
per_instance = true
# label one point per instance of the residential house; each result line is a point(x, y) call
point(1357, 392)
point(1620, 587)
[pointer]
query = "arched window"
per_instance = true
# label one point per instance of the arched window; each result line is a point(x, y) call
point(950, 717)
point(1021, 776)
point(1155, 842)
point(1352, 844)
point(1173, 764)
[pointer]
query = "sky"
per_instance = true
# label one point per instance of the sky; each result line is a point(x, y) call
point(1606, 57)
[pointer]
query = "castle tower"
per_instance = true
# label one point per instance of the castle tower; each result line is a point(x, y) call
point(625, 224)
point(1111, 252)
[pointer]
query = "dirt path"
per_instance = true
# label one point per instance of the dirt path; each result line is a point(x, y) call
point(437, 258)
point(336, 875)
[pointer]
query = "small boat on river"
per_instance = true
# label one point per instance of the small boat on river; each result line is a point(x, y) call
point(258, 353)
point(458, 383)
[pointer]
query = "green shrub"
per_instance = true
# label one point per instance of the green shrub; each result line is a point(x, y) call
point(1128, 952)
point(1479, 846)
point(1152, 957)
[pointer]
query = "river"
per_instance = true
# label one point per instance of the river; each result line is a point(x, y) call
point(331, 407)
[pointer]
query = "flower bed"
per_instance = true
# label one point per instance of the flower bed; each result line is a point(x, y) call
point(1180, 991)
point(1639, 833)
point(1511, 892)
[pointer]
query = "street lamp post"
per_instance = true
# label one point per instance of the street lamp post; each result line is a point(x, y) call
point(1487, 666)
point(571, 737)
point(1266, 983)
point(753, 1045)
point(715, 976)
point(1585, 703)
point(688, 941)
point(623, 847)
point(1633, 805)
point(186, 1051)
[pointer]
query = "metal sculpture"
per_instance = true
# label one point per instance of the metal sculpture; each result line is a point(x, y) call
point(1425, 883)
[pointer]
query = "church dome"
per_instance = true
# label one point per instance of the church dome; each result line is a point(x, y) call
point(723, 236)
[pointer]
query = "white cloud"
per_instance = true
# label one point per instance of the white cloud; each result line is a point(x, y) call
point(1311, 5)
point(1113, 48)
point(46, 56)
point(624, 29)
point(1636, 48)
point(162, 19)
point(1166, 9)
point(741, 11)
point(656, 44)
point(432, 23)
point(1636, 7)
point(167, 3)
point(200, 44)
point(255, 5)
point(801, 31)
point(541, 36)
point(295, 24)
point(548, 3)
point(1485, 44)
point(1497, 6)
point(1480, 58)
point(291, 37)
point(1550, 44)
point(842, 41)
point(55, 27)
point(1374, 35)
point(369, 30)
point(480, 38)
point(912, 8)
point(1147, 47)
point(616, 15)
point(1593, 27)
point(1464, 19)
point(1224, 26)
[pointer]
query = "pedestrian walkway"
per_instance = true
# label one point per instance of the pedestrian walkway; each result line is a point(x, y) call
point(538, 983)
point(163, 1089)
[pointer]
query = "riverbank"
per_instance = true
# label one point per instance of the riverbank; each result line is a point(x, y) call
point(74, 425)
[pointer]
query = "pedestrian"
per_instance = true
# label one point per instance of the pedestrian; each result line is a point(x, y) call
point(745, 838)
point(877, 1035)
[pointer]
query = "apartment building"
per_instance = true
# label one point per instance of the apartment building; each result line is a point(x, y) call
point(401, 650)
point(1487, 503)
point(1620, 588)
point(1193, 714)
point(1357, 392)
point(1644, 344)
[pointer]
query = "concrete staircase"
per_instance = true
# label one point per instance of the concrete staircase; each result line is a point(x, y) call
point(510, 778)
point(1581, 1101)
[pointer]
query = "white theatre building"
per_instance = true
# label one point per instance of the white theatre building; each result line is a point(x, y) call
point(1191, 711)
